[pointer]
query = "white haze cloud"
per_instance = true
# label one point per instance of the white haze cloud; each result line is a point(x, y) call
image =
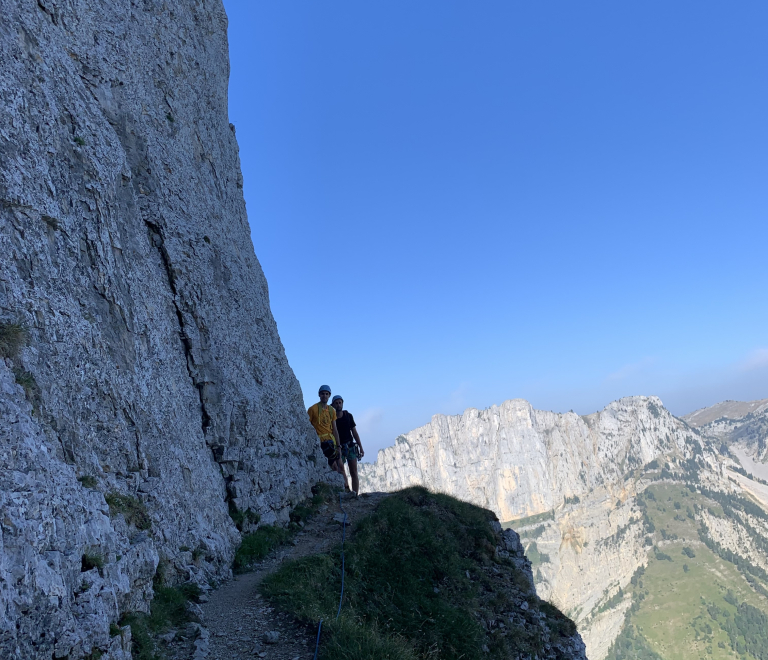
point(629, 370)
point(369, 421)
point(757, 359)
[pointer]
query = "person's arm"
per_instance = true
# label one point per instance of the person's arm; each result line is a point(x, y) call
point(336, 433)
point(357, 440)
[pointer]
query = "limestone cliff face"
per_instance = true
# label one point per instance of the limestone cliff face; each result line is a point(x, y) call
point(570, 477)
point(151, 367)
point(518, 461)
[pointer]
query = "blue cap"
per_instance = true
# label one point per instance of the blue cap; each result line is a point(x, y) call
point(336, 398)
point(324, 388)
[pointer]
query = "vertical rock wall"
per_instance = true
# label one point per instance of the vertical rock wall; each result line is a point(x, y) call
point(572, 474)
point(151, 367)
point(518, 461)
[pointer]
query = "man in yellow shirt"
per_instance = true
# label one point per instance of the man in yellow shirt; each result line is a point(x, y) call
point(323, 418)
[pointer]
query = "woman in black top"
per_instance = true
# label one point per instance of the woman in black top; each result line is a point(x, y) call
point(351, 447)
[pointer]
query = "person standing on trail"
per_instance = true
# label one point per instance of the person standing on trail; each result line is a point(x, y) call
point(351, 447)
point(323, 418)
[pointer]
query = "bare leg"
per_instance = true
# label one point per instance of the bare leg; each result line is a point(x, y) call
point(339, 467)
point(353, 472)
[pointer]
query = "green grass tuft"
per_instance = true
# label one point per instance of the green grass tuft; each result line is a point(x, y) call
point(133, 510)
point(242, 519)
point(90, 560)
point(257, 545)
point(142, 644)
point(322, 493)
point(169, 609)
point(52, 222)
point(13, 337)
point(88, 481)
point(26, 380)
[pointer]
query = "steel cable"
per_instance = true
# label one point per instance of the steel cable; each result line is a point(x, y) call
point(341, 597)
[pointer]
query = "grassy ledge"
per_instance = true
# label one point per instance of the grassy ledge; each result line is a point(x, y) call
point(134, 511)
point(169, 609)
point(422, 581)
point(257, 545)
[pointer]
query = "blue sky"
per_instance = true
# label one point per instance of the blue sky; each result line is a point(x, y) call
point(461, 203)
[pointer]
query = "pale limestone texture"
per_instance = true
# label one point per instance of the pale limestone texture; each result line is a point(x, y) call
point(152, 364)
point(573, 471)
point(743, 426)
point(518, 461)
point(593, 549)
point(575, 477)
point(512, 549)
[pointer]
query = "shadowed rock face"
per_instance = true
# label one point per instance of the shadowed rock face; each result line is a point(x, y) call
point(518, 461)
point(151, 366)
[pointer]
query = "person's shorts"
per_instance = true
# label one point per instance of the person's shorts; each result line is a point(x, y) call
point(330, 451)
point(350, 453)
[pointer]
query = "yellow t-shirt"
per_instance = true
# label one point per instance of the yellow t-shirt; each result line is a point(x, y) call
point(322, 420)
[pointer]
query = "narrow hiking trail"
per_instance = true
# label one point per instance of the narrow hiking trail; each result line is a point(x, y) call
point(238, 624)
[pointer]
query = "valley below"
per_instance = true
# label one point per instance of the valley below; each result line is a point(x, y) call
point(649, 531)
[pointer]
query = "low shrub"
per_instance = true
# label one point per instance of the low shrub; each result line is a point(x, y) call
point(88, 482)
point(134, 511)
point(90, 560)
point(169, 609)
point(13, 337)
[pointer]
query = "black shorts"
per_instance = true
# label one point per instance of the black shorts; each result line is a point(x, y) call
point(330, 451)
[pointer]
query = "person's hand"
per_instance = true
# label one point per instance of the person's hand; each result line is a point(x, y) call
point(362, 453)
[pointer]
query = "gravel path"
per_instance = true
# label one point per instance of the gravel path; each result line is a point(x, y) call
point(238, 624)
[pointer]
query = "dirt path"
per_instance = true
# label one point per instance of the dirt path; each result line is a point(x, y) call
point(238, 624)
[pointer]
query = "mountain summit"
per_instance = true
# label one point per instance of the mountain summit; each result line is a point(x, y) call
point(648, 532)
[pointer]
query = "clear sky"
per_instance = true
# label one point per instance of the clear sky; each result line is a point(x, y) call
point(459, 203)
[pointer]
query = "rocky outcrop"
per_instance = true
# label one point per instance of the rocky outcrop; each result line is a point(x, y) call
point(743, 425)
point(586, 552)
point(518, 461)
point(511, 549)
point(567, 482)
point(570, 486)
point(141, 363)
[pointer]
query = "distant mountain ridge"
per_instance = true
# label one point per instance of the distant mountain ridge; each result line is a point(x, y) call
point(519, 461)
point(580, 491)
point(734, 410)
point(742, 425)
